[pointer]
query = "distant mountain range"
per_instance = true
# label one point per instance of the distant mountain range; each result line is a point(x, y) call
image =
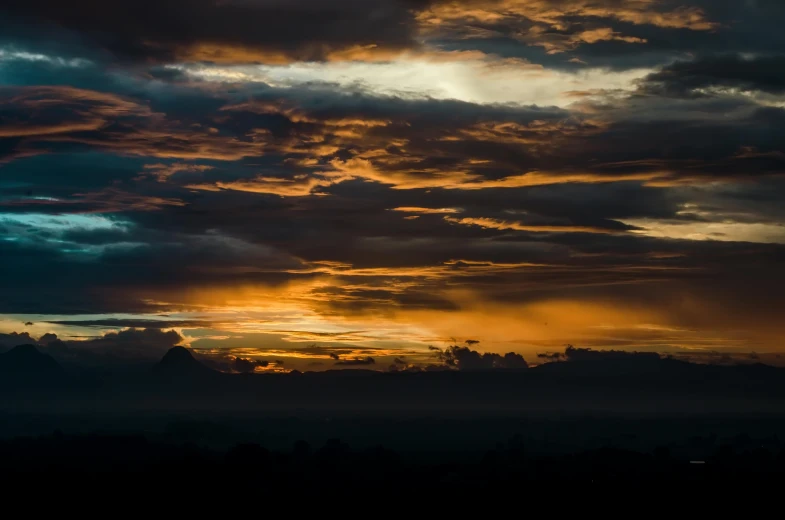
point(640, 384)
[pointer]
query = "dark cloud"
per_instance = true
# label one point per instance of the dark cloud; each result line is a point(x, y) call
point(230, 31)
point(332, 352)
point(112, 348)
point(47, 338)
point(134, 343)
point(466, 359)
point(357, 362)
point(14, 339)
point(693, 78)
point(551, 356)
point(247, 365)
point(572, 353)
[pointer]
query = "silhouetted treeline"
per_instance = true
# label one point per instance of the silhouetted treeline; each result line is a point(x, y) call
point(335, 465)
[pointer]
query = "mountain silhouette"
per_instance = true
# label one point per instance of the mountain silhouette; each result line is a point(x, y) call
point(26, 365)
point(178, 362)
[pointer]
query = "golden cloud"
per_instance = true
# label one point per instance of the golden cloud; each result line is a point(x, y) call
point(502, 225)
point(78, 110)
point(162, 172)
point(298, 186)
point(555, 13)
point(553, 19)
point(427, 211)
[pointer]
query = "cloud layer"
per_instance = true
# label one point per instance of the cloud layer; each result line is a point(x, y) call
point(376, 177)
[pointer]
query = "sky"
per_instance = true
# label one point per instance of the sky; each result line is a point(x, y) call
point(331, 182)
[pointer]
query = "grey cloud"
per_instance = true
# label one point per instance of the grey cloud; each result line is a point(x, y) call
point(141, 343)
point(691, 78)
point(14, 339)
point(226, 31)
point(112, 348)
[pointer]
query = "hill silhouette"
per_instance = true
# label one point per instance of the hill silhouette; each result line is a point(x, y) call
point(179, 363)
point(25, 365)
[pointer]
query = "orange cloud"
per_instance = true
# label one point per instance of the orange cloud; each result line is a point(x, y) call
point(401, 179)
point(503, 225)
point(297, 186)
point(228, 54)
point(556, 12)
point(79, 110)
point(546, 178)
point(67, 114)
point(163, 172)
point(427, 211)
point(464, 179)
point(605, 34)
point(553, 18)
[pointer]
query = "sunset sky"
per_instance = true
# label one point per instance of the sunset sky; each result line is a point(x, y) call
point(322, 182)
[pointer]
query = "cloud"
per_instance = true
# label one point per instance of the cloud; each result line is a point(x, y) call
point(125, 346)
point(557, 12)
point(58, 116)
point(357, 362)
point(140, 343)
point(501, 225)
point(276, 32)
point(135, 323)
point(246, 365)
point(730, 72)
point(428, 211)
point(572, 353)
point(162, 172)
point(55, 112)
point(303, 202)
point(557, 25)
point(268, 31)
point(299, 186)
point(14, 339)
point(466, 359)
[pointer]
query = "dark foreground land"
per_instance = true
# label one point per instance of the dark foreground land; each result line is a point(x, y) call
point(103, 459)
point(336, 453)
point(629, 421)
